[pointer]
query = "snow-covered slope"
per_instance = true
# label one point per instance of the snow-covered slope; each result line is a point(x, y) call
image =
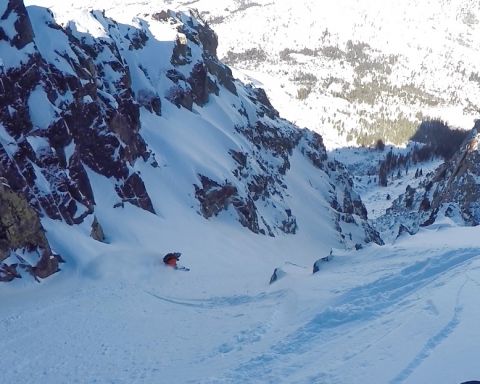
point(403, 313)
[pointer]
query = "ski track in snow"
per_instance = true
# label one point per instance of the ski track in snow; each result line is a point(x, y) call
point(218, 302)
point(433, 342)
point(244, 337)
point(359, 305)
point(251, 347)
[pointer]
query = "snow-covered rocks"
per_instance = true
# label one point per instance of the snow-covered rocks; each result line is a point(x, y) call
point(95, 96)
point(458, 181)
point(452, 191)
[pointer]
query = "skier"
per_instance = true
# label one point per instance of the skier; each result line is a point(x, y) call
point(171, 259)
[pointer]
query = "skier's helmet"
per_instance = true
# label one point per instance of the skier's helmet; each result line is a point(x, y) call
point(171, 255)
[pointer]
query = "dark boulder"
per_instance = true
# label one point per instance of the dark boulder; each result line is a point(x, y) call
point(278, 273)
point(23, 27)
point(97, 231)
point(213, 197)
point(48, 265)
point(20, 228)
point(9, 272)
point(198, 81)
point(133, 191)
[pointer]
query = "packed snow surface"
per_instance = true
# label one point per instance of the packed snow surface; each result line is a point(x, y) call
point(402, 313)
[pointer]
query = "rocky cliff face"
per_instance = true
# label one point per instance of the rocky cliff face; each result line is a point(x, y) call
point(21, 233)
point(458, 181)
point(72, 101)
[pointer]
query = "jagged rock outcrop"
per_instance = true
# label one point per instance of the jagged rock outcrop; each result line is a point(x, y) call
point(20, 225)
point(458, 182)
point(207, 73)
point(277, 274)
point(97, 231)
point(214, 197)
point(453, 191)
point(23, 34)
point(61, 116)
point(271, 137)
point(20, 230)
point(348, 208)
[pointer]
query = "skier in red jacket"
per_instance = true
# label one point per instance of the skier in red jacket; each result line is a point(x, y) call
point(171, 259)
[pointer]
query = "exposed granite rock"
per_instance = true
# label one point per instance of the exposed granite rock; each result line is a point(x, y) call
point(266, 107)
point(150, 101)
point(95, 102)
point(19, 224)
point(289, 225)
point(459, 182)
point(198, 81)
point(47, 265)
point(182, 53)
point(98, 119)
point(239, 157)
point(97, 231)
point(162, 16)
point(222, 73)
point(23, 27)
point(351, 210)
point(206, 75)
point(20, 228)
point(402, 230)
point(133, 191)
point(9, 272)
point(277, 274)
point(213, 197)
point(208, 38)
point(353, 206)
point(452, 190)
point(180, 96)
point(247, 214)
point(316, 151)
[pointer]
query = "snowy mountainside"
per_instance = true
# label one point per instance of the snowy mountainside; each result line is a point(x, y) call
point(147, 105)
point(361, 70)
point(353, 70)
